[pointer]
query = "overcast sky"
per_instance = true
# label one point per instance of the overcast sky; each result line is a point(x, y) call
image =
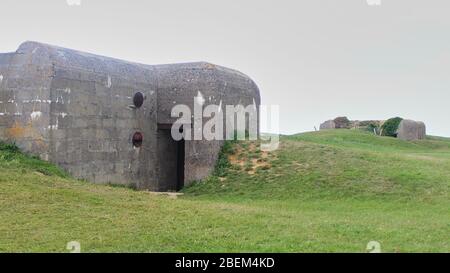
point(316, 59)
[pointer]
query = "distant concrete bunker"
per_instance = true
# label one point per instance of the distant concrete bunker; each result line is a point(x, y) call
point(107, 120)
point(407, 129)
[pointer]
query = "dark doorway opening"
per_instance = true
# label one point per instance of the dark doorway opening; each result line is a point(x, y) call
point(180, 164)
point(171, 157)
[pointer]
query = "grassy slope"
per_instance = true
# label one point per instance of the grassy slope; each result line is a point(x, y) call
point(324, 191)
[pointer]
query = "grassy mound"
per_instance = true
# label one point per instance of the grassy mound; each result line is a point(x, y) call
point(330, 191)
point(335, 164)
point(13, 160)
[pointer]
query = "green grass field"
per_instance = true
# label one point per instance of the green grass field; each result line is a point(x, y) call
point(331, 191)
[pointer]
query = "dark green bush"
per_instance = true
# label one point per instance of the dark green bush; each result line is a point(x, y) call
point(390, 127)
point(370, 125)
point(7, 147)
point(342, 123)
point(372, 128)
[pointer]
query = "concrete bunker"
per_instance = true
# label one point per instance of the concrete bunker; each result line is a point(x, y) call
point(107, 120)
point(395, 127)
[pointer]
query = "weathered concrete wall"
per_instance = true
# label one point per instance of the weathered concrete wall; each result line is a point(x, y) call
point(76, 109)
point(411, 130)
point(180, 84)
point(73, 109)
point(6, 120)
point(92, 125)
point(25, 99)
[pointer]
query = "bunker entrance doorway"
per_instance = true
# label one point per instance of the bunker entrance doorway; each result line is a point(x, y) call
point(171, 155)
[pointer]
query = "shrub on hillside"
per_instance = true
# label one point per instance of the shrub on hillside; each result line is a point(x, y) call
point(8, 147)
point(373, 128)
point(390, 127)
point(342, 123)
point(370, 125)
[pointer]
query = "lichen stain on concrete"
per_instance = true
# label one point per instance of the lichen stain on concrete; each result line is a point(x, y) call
point(109, 82)
point(1, 78)
point(17, 131)
point(199, 99)
point(36, 115)
point(54, 126)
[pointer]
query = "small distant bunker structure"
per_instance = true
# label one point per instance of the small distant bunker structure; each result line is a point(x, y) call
point(109, 121)
point(396, 127)
point(411, 130)
point(337, 123)
point(329, 124)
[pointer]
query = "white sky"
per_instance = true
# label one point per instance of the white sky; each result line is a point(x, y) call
point(316, 59)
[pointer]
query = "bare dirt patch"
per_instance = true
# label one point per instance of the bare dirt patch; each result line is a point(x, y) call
point(251, 158)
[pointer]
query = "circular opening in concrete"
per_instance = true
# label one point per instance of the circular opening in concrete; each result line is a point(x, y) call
point(137, 139)
point(138, 99)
